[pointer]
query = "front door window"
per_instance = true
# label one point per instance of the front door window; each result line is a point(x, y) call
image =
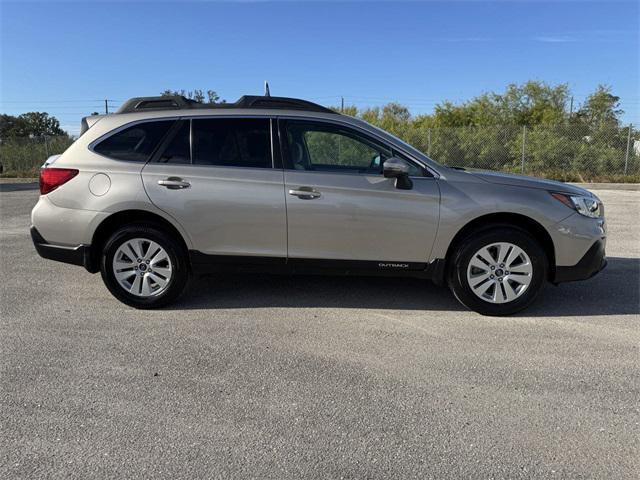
point(331, 148)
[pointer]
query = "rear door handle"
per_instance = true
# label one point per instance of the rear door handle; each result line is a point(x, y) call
point(174, 183)
point(305, 193)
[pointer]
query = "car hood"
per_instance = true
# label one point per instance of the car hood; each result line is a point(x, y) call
point(529, 182)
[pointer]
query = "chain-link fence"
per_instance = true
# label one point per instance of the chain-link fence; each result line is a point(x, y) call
point(569, 153)
point(23, 156)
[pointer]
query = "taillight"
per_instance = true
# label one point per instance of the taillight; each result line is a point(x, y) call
point(51, 178)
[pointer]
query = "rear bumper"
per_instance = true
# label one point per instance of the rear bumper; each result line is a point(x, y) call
point(78, 255)
point(589, 265)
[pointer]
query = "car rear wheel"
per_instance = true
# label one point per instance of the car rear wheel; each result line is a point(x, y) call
point(498, 271)
point(143, 266)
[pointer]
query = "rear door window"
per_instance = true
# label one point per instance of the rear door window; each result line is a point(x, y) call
point(178, 149)
point(232, 142)
point(135, 143)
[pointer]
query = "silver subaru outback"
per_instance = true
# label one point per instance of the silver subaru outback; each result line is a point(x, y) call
point(167, 188)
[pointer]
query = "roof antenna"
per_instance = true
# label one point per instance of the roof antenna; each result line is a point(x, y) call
point(267, 93)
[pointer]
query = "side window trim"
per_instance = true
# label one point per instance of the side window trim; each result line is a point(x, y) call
point(276, 151)
point(190, 141)
point(282, 148)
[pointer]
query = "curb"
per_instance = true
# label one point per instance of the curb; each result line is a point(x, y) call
point(635, 187)
point(18, 180)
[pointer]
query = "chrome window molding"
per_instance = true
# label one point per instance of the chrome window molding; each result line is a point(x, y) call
point(272, 117)
point(190, 141)
point(273, 157)
point(116, 130)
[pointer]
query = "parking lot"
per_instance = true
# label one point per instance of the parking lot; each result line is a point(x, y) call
point(316, 377)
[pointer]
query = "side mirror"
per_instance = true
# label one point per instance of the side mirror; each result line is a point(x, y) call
point(399, 169)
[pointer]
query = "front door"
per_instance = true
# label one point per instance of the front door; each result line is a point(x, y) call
point(215, 176)
point(339, 205)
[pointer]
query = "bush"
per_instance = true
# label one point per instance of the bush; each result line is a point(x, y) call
point(23, 156)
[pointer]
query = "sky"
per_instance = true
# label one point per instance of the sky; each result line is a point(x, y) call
point(65, 58)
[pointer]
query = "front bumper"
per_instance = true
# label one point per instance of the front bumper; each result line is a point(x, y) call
point(589, 265)
point(78, 255)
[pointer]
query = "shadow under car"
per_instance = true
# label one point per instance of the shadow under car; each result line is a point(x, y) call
point(615, 291)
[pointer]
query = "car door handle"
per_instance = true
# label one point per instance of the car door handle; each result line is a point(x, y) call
point(174, 183)
point(305, 193)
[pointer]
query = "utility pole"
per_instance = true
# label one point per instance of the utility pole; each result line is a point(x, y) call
point(524, 143)
point(571, 107)
point(106, 107)
point(626, 157)
point(341, 104)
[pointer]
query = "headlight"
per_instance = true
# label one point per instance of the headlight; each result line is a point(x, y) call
point(584, 205)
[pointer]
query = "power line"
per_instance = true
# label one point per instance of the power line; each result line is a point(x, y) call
point(59, 101)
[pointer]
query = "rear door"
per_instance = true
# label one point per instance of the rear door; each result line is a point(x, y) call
point(216, 177)
point(340, 206)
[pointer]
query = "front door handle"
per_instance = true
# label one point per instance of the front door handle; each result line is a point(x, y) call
point(174, 183)
point(305, 193)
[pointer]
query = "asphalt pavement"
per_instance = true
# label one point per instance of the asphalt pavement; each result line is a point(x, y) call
point(316, 377)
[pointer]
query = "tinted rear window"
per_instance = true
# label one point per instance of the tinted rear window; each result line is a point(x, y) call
point(135, 143)
point(232, 142)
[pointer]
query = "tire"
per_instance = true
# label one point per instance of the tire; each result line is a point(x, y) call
point(137, 283)
point(497, 291)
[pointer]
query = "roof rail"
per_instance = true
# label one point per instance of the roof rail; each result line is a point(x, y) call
point(173, 102)
point(284, 103)
point(177, 102)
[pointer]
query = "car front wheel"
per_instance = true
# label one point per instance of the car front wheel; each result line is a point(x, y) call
point(498, 271)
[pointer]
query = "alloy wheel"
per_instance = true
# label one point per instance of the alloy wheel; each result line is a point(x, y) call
point(499, 272)
point(142, 267)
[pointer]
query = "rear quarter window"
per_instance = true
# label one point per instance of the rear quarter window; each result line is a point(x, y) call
point(135, 143)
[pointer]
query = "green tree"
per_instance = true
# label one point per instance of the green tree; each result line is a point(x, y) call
point(601, 109)
point(487, 131)
point(9, 126)
point(200, 96)
point(31, 124)
point(532, 103)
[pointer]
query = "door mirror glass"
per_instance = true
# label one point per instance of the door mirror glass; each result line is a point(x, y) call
point(399, 169)
point(395, 167)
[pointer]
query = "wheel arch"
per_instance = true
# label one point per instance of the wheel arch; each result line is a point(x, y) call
point(504, 219)
point(122, 218)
